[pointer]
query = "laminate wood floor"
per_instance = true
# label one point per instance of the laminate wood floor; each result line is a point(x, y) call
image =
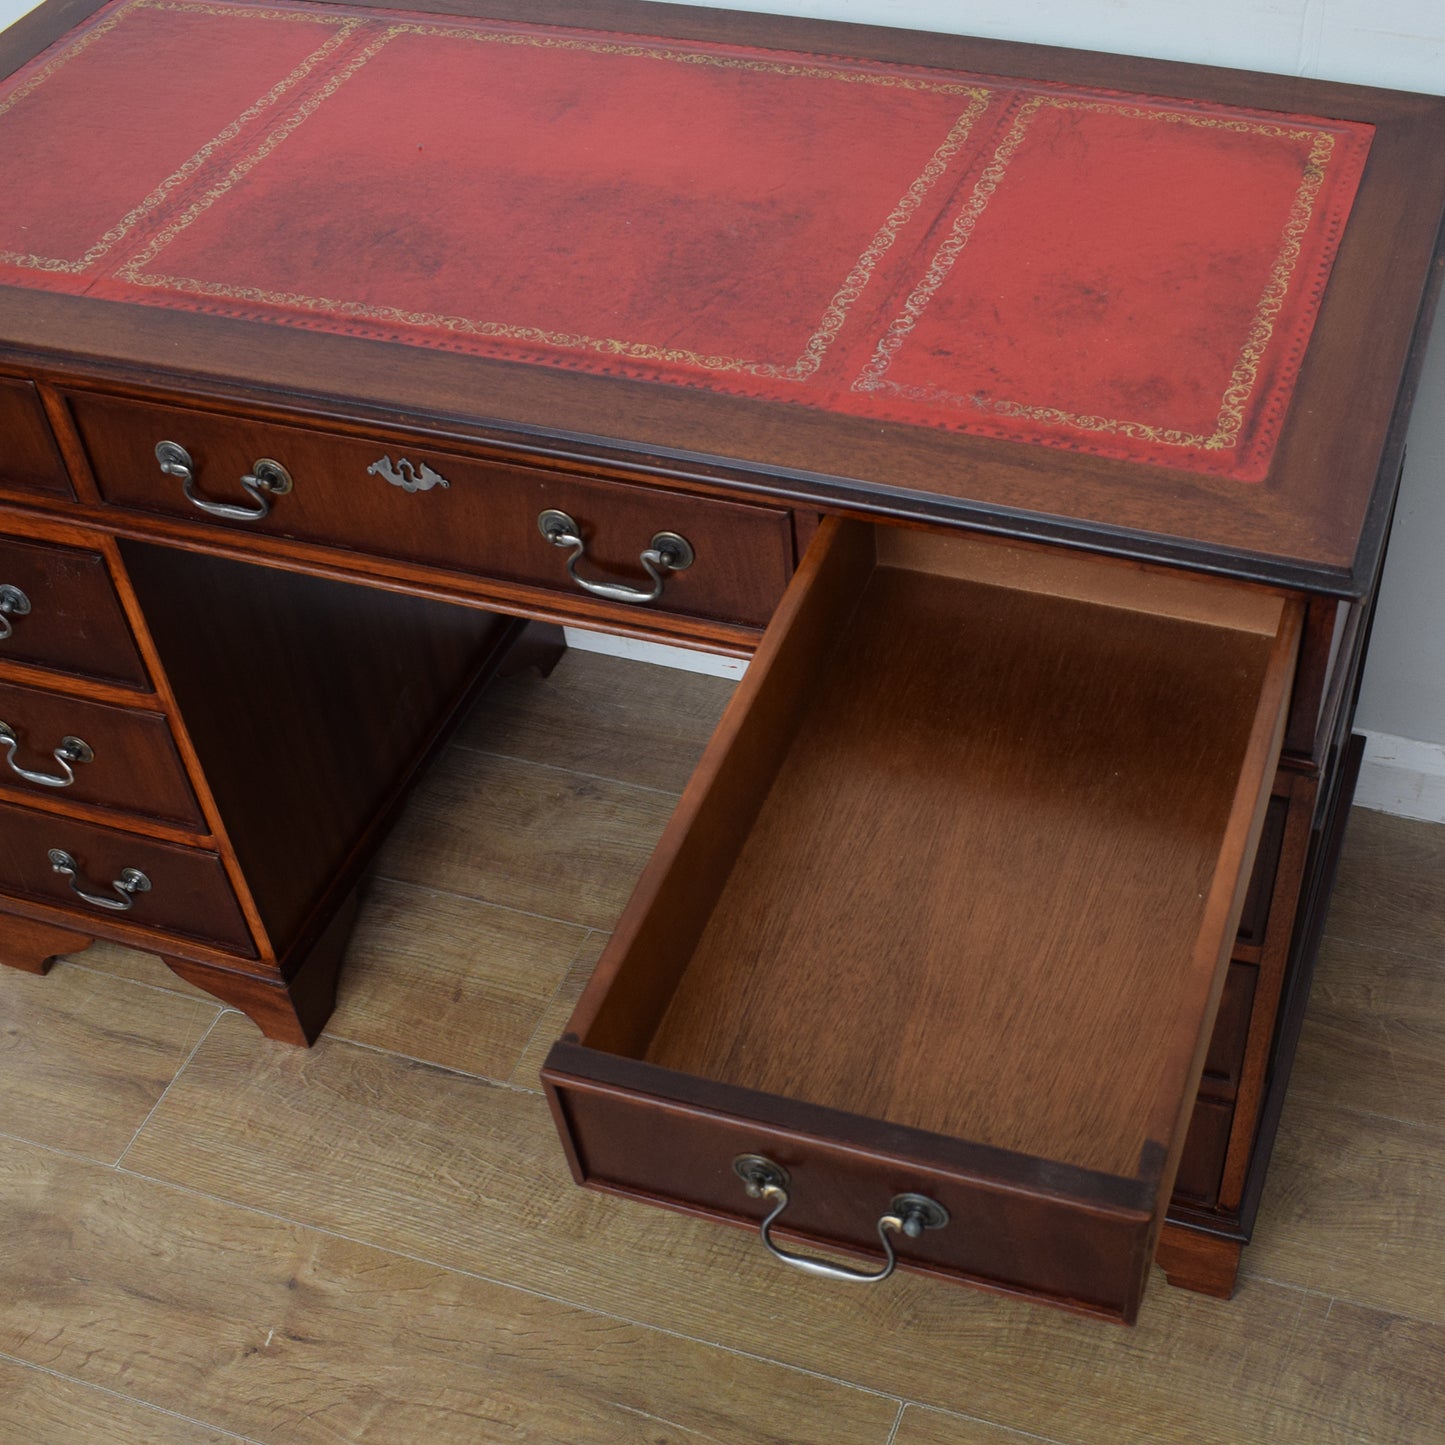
point(210, 1237)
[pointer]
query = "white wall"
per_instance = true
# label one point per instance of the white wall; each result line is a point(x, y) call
point(1395, 43)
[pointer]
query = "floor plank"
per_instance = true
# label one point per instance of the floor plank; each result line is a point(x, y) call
point(84, 1056)
point(38, 1408)
point(935, 1427)
point(478, 1295)
point(1390, 893)
point(627, 721)
point(1355, 1206)
point(1366, 1377)
point(469, 1175)
point(449, 980)
point(538, 839)
point(553, 1023)
point(147, 968)
point(282, 1333)
point(1374, 1034)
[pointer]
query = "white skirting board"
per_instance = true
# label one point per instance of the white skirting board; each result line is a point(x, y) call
point(1403, 777)
point(684, 658)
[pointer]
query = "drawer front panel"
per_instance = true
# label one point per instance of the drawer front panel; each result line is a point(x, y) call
point(1254, 918)
point(1005, 1239)
point(188, 893)
point(128, 760)
point(442, 510)
point(29, 459)
point(1225, 1060)
point(70, 619)
point(1202, 1164)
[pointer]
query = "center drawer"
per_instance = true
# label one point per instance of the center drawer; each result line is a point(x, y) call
point(393, 499)
point(945, 912)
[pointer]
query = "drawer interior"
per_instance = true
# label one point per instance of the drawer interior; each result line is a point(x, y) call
point(965, 857)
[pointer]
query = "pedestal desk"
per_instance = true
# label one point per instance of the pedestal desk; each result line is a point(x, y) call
point(1032, 418)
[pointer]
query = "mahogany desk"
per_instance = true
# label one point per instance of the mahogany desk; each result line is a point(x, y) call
point(1033, 417)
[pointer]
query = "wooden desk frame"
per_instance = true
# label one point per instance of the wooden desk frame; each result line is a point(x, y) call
point(142, 566)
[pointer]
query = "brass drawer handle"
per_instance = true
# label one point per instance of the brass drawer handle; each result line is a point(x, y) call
point(71, 750)
point(666, 553)
point(130, 882)
point(909, 1214)
point(13, 603)
point(265, 480)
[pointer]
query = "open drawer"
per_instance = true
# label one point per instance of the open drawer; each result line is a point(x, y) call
point(944, 912)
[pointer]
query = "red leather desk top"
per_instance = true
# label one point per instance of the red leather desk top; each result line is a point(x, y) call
point(1130, 277)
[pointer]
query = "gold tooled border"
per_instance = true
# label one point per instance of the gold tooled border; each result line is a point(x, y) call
point(135, 271)
point(1230, 418)
point(138, 213)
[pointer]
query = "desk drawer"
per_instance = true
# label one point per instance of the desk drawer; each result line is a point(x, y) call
point(458, 513)
point(90, 752)
point(1225, 1060)
point(58, 610)
point(1207, 1144)
point(187, 892)
point(945, 911)
point(29, 460)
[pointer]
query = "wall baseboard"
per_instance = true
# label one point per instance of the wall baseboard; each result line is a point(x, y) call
point(1403, 777)
point(684, 658)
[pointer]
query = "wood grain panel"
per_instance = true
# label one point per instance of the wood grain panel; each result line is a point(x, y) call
point(1030, 850)
point(135, 768)
point(328, 699)
point(1202, 1161)
point(75, 624)
point(85, 1056)
point(33, 947)
point(278, 1332)
point(189, 894)
point(449, 980)
point(31, 462)
point(680, 887)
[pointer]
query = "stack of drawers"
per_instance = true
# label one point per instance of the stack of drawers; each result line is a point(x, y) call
point(99, 823)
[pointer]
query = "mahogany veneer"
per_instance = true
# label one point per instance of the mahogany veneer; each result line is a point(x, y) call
point(32, 461)
point(74, 623)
